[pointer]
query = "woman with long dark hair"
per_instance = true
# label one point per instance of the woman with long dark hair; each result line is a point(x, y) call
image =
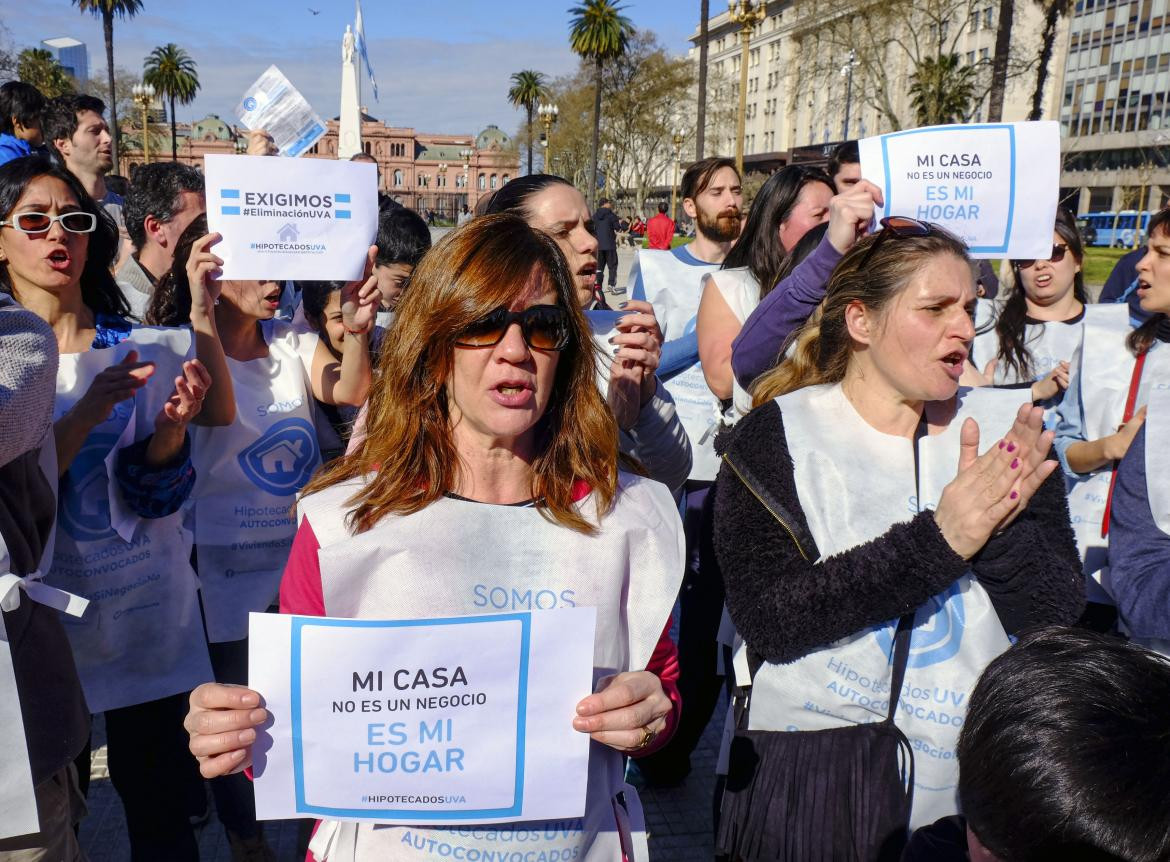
point(1114, 371)
point(1032, 336)
point(794, 200)
point(125, 399)
point(488, 445)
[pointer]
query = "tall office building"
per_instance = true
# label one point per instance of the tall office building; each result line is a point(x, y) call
point(71, 54)
point(1115, 108)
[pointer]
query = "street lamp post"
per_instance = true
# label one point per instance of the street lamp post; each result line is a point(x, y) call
point(466, 155)
point(144, 95)
point(548, 111)
point(748, 16)
point(847, 74)
point(678, 142)
point(443, 185)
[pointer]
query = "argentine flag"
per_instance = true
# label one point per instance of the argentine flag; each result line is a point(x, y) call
point(360, 33)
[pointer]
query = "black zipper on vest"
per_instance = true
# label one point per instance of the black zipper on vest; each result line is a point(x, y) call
point(760, 497)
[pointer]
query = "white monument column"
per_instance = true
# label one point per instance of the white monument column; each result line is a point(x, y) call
point(349, 135)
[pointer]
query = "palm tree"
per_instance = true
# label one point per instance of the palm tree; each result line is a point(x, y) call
point(598, 32)
point(171, 71)
point(941, 90)
point(701, 107)
point(999, 61)
point(106, 10)
point(528, 90)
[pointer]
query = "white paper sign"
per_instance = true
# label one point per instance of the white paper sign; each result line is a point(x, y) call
point(275, 105)
point(310, 219)
point(994, 185)
point(440, 721)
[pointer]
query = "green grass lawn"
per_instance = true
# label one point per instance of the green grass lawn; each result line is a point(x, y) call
point(674, 243)
point(1099, 263)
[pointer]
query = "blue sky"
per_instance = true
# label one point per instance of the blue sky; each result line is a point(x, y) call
point(441, 66)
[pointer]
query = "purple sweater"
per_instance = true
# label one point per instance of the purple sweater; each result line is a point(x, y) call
point(783, 311)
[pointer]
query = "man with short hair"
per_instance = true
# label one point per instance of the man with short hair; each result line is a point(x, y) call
point(845, 166)
point(1064, 755)
point(403, 239)
point(21, 105)
point(74, 125)
point(673, 282)
point(464, 216)
point(660, 229)
point(164, 199)
point(605, 228)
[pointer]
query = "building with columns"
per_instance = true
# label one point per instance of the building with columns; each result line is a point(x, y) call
point(423, 171)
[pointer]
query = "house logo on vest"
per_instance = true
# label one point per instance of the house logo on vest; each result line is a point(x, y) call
point(939, 639)
point(283, 459)
point(84, 511)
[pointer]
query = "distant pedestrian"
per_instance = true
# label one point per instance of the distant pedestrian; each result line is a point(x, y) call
point(465, 215)
point(660, 230)
point(605, 226)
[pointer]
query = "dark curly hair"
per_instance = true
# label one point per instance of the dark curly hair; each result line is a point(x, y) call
point(171, 303)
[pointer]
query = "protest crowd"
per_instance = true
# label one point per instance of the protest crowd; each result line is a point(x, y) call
point(898, 520)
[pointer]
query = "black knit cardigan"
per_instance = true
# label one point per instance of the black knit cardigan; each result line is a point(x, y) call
point(785, 606)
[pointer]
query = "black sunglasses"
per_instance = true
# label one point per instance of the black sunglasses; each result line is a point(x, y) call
point(544, 327)
point(899, 227)
point(1058, 252)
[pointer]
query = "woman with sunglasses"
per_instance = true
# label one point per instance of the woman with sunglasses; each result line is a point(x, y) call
point(1114, 371)
point(867, 486)
point(1029, 340)
point(250, 471)
point(125, 398)
point(630, 341)
point(486, 431)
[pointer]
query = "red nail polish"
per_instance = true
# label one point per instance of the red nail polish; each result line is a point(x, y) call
point(1014, 494)
point(1001, 444)
point(1011, 447)
point(1015, 463)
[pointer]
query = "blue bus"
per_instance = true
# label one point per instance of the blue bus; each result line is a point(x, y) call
point(1112, 228)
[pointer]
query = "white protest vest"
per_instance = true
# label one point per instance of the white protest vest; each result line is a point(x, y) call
point(1102, 371)
point(142, 637)
point(674, 289)
point(741, 292)
point(1157, 457)
point(848, 502)
point(18, 805)
point(1049, 343)
point(457, 558)
point(249, 474)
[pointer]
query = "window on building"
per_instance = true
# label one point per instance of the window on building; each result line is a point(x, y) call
point(973, 26)
point(398, 179)
point(970, 58)
point(495, 181)
point(988, 18)
point(984, 53)
point(482, 182)
point(367, 147)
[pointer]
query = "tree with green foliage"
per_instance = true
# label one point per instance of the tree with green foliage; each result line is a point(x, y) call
point(941, 90)
point(172, 73)
point(598, 32)
point(40, 68)
point(107, 10)
point(529, 89)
